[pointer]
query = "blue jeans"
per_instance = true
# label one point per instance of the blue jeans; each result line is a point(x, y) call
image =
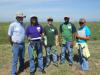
point(67, 46)
point(84, 64)
point(35, 45)
point(83, 61)
point(51, 50)
point(18, 51)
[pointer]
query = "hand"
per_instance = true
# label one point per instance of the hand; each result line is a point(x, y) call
point(29, 38)
point(73, 44)
point(57, 43)
point(77, 36)
point(45, 40)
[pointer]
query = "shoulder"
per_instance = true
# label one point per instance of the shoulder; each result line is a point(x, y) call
point(28, 27)
point(86, 27)
point(54, 27)
point(13, 24)
point(62, 24)
point(72, 24)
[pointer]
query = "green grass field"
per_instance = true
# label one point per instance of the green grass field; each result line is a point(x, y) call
point(65, 69)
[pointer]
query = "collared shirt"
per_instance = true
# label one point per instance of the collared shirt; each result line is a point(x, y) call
point(83, 31)
point(17, 32)
point(34, 31)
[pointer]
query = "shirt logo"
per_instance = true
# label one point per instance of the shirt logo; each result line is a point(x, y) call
point(52, 30)
point(69, 27)
point(38, 29)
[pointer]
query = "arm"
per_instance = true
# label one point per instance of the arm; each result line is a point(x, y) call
point(56, 37)
point(60, 28)
point(56, 40)
point(74, 31)
point(87, 32)
point(83, 37)
point(9, 38)
point(10, 33)
point(27, 34)
point(60, 32)
point(44, 37)
point(42, 32)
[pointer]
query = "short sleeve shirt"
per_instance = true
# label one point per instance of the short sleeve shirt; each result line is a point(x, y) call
point(84, 31)
point(34, 31)
point(17, 32)
point(73, 28)
point(50, 32)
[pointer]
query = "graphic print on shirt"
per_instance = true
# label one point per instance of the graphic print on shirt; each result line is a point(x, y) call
point(38, 29)
point(51, 30)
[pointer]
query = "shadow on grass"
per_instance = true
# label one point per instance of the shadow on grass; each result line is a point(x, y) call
point(75, 58)
point(36, 65)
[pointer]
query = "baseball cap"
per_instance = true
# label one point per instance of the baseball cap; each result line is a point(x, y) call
point(50, 19)
point(66, 17)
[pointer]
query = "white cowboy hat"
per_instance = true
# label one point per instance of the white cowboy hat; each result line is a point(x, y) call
point(20, 14)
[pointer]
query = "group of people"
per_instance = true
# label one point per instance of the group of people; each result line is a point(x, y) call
point(48, 36)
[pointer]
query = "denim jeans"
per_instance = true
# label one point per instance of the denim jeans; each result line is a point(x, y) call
point(51, 51)
point(18, 51)
point(68, 47)
point(82, 60)
point(35, 45)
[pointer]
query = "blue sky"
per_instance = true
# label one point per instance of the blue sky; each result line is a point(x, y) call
point(75, 9)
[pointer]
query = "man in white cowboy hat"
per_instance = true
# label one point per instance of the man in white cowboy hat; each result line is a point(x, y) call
point(16, 34)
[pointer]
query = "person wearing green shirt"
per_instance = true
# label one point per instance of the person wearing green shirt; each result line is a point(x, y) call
point(67, 32)
point(51, 42)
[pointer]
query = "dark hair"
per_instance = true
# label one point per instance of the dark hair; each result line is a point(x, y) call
point(35, 18)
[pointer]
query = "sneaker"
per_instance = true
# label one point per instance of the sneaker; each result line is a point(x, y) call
point(43, 71)
point(61, 63)
point(71, 65)
point(21, 70)
point(47, 64)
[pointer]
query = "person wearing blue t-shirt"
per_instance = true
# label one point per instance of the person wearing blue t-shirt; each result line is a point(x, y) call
point(83, 36)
